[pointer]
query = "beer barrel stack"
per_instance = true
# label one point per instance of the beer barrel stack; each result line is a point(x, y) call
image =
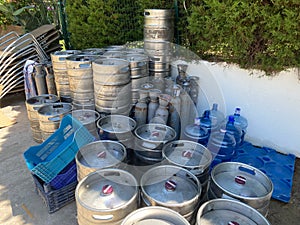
point(158, 38)
point(174, 176)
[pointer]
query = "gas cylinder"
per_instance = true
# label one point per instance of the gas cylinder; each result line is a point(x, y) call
point(182, 76)
point(159, 82)
point(153, 105)
point(174, 110)
point(194, 89)
point(40, 79)
point(162, 113)
point(50, 79)
point(141, 108)
point(185, 109)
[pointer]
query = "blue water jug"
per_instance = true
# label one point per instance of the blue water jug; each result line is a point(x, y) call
point(205, 120)
point(230, 127)
point(222, 146)
point(216, 116)
point(240, 122)
point(194, 132)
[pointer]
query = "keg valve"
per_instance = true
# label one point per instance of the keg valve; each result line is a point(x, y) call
point(107, 189)
point(170, 185)
point(240, 180)
point(102, 155)
point(233, 223)
point(187, 154)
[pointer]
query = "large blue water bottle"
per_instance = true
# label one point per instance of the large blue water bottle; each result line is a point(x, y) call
point(233, 130)
point(216, 116)
point(240, 122)
point(205, 120)
point(222, 146)
point(194, 132)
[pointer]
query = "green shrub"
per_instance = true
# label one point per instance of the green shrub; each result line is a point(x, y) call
point(262, 34)
point(99, 23)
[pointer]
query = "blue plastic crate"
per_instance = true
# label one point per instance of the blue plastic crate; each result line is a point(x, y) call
point(278, 167)
point(55, 199)
point(48, 159)
point(65, 177)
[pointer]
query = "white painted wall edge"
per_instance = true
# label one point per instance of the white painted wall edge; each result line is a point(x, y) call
point(271, 104)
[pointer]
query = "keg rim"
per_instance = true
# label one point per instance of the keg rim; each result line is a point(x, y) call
point(205, 152)
point(85, 148)
point(268, 181)
point(131, 200)
point(195, 179)
point(109, 117)
point(205, 206)
point(141, 213)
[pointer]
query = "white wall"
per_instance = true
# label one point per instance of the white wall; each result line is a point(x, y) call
point(271, 104)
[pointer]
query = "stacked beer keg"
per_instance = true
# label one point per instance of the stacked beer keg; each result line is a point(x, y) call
point(80, 73)
point(158, 36)
point(33, 104)
point(58, 59)
point(112, 85)
point(139, 73)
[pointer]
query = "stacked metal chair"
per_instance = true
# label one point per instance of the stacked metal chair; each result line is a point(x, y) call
point(15, 50)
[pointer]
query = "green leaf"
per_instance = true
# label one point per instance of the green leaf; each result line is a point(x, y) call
point(18, 12)
point(4, 9)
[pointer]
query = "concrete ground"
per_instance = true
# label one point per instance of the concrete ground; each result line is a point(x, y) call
point(19, 203)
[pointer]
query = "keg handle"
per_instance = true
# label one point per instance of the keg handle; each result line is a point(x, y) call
point(104, 217)
point(62, 58)
point(140, 64)
point(125, 69)
point(247, 170)
point(84, 65)
point(58, 106)
point(112, 173)
point(55, 119)
point(197, 171)
point(161, 128)
point(153, 59)
point(174, 145)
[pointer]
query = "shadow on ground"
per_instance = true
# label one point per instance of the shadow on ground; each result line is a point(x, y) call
point(19, 203)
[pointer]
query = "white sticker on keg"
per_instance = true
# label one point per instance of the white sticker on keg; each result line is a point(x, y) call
point(148, 145)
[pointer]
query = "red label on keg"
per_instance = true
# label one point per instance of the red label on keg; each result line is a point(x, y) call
point(155, 134)
point(240, 180)
point(102, 155)
point(170, 185)
point(107, 189)
point(187, 154)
